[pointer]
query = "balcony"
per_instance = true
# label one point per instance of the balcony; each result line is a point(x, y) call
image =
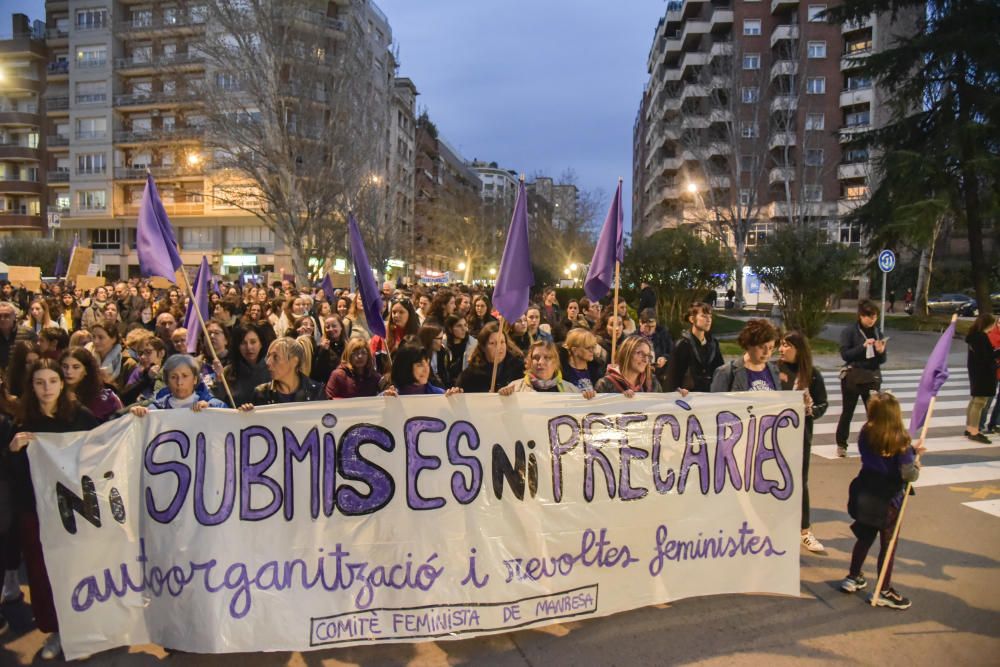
point(694, 59)
point(154, 99)
point(781, 175)
point(91, 63)
point(847, 205)
point(781, 140)
point(20, 118)
point(693, 90)
point(10, 220)
point(60, 176)
point(21, 84)
point(156, 135)
point(56, 34)
point(317, 20)
point(56, 140)
point(722, 49)
point(692, 32)
point(17, 152)
point(57, 104)
point(854, 170)
point(57, 68)
point(784, 103)
point(859, 25)
point(784, 32)
point(149, 65)
point(779, 6)
point(92, 100)
point(20, 187)
point(172, 209)
point(139, 27)
point(784, 68)
point(849, 98)
point(851, 132)
point(91, 135)
point(165, 171)
point(722, 17)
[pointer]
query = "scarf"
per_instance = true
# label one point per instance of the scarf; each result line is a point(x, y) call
point(623, 384)
point(544, 385)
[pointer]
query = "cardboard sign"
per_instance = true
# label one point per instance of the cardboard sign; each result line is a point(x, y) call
point(158, 282)
point(28, 277)
point(80, 259)
point(88, 283)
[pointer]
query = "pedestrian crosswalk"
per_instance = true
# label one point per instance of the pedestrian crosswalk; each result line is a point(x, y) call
point(943, 437)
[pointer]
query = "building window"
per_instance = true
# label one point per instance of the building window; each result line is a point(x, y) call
point(857, 118)
point(816, 85)
point(857, 82)
point(815, 12)
point(91, 19)
point(856, 46)
point(751, 61)
point(249, 237)
point(759, 233)
point(105, 239)
point(855, 155)
point(91, 163)
point(812, 193)
point(855, 191)
point(814, 157)
point(746, 197)
point(849, 234)
point(815, 121)
point(751, 27)
point(817, 49)
point(91, 92)
point(91, 56)
point(750, 94)
point(91, 128)
point(748, 162)
point(196, 238)
point(92, 200)
point(749, 130)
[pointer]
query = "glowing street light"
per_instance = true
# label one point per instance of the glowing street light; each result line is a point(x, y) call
point(573, 267)
point(692, 187)
point(493, 272)
point(193, 159)
point(461, 266)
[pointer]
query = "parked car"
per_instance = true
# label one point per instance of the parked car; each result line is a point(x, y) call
point(964, 305)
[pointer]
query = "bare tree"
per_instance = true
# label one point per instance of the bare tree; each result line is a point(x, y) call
point(295, 115)
point(724, 135)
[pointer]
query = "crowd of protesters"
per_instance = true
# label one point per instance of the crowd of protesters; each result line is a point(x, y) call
point(75, 360)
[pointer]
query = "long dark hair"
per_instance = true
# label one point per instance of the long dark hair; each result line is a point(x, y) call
point(982, 323)
point(803, 357)
point(478, 357)
point(402, 365)
point(31, 409)
point(241, 333)
point(89, 388)
point(17, 367)
point(411, 328)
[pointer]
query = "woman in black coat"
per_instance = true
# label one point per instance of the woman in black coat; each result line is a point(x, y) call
point(491, 341)
point(982, 366)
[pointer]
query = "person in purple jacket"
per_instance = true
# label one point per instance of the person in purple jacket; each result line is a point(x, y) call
point(888, 462)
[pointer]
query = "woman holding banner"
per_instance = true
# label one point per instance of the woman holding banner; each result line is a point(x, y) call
point(577, 358)
point(543, 373)
point(491, 345)
point(184, 388)
point(248, 368)
point(355, 376)
point(633, 369)
point(83, 376)
point(411, 374)
point(49, 406)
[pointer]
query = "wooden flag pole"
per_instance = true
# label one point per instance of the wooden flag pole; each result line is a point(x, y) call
point(496, 357)
point(208, 339)
point(614, 313)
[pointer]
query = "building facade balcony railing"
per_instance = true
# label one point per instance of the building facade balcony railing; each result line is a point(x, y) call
point(57, 33)
point(56, 68)
point(57, 103)
point(781, 175)
point(158, 171)
point(91, 135)
point(11, 220)
point(98, 98)
point(20, 187)
point(60, 176)
point(172, 208)
point(170, 22)
point(163, 60)
point(57, 140)
point(784, 32)
point(158, 134)
point(15, 151)
point(138, 99)
point(778, 6)
point(91, 63)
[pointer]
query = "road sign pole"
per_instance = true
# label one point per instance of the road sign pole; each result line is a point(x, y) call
point(882, 327)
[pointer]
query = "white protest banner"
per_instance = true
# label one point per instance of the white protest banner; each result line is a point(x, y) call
point(413, 518)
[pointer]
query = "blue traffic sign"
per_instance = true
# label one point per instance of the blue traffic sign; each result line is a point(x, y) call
point(886, 261)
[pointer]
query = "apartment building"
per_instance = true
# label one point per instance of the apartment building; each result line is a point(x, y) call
point(22, 76)
point(122, 97)
point(403, 163)
point(499, 186)
point(747, 105)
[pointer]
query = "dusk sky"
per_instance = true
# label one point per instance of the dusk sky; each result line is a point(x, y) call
point(533, 85)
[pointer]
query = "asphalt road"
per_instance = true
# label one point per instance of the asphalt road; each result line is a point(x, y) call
point(948, 563)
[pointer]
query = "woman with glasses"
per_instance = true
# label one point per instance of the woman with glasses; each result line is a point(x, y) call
point(481, 315)
point(220, 343)
point(633, 369)
point(434, 340)
point(146, 379)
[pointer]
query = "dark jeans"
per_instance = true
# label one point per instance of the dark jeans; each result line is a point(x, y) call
point(851, 395)
point(806, 455)
point(864, 544)
point(993, 422)
point(42, 603)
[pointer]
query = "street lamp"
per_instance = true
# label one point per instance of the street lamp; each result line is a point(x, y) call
point(193, 159)
point(692, 187)
point(461, 266)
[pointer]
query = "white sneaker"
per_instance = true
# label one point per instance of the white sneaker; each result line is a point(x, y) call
point(11, 587)
point(52, 648)
point(810, 542)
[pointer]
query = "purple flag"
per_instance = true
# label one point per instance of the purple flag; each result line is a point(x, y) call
point(154, 238)
point(515, 278)
point(241, 281)
point(200, 288)
point(60, 265)
point(934, 376)
point(610, 249)
point(370, 296)
point(327, 287)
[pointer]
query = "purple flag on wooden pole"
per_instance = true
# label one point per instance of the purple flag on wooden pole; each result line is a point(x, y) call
point(154, 238)
point(370, 296)
point(610, 249)
point(515, 277)
point(191, 322)
point(934, 376)
point(60, 265)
